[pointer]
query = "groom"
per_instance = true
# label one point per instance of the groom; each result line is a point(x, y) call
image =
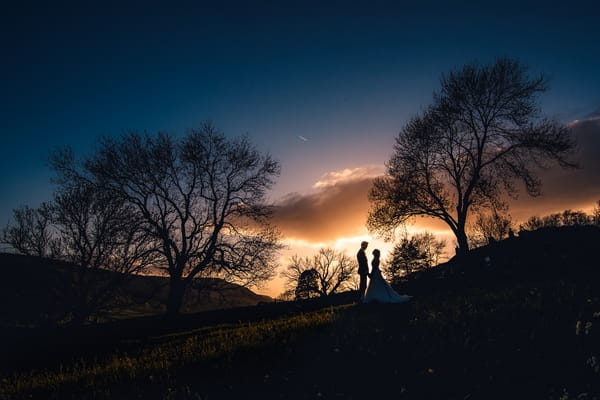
point(363, 269)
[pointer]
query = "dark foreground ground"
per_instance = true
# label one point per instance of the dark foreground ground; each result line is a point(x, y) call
point(519, 319)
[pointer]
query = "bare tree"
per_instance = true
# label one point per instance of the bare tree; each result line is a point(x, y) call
point(483, 133)
point(201, 199)
point(596, 214)
point(489, 227)
point(414, 253)
point(575, 218)
point(31, 233)
point(333, 271)
point(565, 218)
point(104, 240)
point(286, 295)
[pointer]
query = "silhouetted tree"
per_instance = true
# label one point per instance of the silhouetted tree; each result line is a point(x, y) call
point(566, 218)
point(413, 253)
point(596, 214)
point(201, 199)
point(287, 295)
point(100, 233)
point(575, 218)
point(31, 232)
point(532, 224)
point(482, 133)
point(489, 227)
point(334, 271)
point(308, 285)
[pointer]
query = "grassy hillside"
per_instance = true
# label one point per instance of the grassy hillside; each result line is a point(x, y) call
point(518, 319)
point(34, 291)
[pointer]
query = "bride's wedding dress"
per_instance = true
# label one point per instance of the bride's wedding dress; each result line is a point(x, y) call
point(379, 290)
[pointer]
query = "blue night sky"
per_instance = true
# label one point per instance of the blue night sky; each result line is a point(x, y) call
point(347, 77)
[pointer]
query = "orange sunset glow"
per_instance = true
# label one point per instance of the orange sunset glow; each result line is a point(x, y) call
point(334, 210)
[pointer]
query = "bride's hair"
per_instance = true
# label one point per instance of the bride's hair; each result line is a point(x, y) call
point(376, 252)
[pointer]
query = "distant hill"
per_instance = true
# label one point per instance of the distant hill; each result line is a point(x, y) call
point(33, 290)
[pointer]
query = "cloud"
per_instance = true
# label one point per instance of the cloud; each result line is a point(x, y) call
point(568, 188)
point(594, 114)
point(578, 122)
point(338, 208)
point(349, 175)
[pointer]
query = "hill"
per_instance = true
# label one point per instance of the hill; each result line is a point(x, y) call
point(515, 319)
point(547, 254)
point(35, 291)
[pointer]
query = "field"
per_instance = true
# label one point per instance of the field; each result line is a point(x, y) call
point(523, 326)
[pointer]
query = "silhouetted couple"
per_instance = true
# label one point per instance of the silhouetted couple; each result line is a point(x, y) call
point(378, 290)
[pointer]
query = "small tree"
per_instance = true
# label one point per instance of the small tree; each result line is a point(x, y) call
point(489, 227)
point(565, 218)
point(414, 253)
point(481, 135)
point(596, 214)
point(532, 224)
point(333, 271)
point(287, 295)
point(575, 218)
point(308, 285)
point(32, 234)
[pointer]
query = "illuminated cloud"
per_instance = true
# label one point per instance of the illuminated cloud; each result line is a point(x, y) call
point(338, 207)
point(348, 175)
point(577, 122)
point(594, 116)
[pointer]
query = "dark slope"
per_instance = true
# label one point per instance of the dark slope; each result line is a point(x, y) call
point(34, 291)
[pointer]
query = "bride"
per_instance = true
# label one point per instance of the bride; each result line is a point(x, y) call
point(379, 290)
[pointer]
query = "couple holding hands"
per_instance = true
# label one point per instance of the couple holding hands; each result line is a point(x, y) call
point(377, 290)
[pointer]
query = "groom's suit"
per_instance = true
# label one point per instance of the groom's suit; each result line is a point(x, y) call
point(363, 271)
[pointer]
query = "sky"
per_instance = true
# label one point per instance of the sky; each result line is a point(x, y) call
point(324, 87)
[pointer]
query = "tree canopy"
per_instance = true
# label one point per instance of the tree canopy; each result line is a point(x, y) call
point(482, 134)
point(414, 253)
point(200, 200)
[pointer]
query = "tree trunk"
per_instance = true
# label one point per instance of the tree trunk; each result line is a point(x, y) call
point(176, 292)
point(79, 299)
point(463, 243)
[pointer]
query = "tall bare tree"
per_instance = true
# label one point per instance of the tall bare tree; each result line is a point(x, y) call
point(332, 270)
point(201, 199)
point(482, 134)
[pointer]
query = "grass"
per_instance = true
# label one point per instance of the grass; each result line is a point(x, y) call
point(520, 341)
point(527, 328)
point(157, 359)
